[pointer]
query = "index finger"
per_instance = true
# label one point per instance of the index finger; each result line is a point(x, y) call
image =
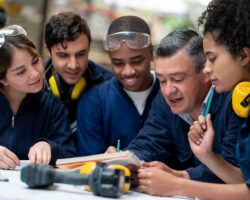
point(12, 157)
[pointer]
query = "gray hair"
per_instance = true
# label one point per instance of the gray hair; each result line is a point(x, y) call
point(182, 39)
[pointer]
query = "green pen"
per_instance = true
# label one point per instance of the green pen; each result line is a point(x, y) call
point(118, 146)
point(209, 102)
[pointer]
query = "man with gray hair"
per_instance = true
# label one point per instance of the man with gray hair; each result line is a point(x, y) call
point(185, 91)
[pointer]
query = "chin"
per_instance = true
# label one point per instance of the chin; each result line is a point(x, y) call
point(177, 111)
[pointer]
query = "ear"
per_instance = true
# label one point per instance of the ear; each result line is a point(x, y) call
point(4, 81)
point(48, 51)
point(152, 53)
point(245, 56)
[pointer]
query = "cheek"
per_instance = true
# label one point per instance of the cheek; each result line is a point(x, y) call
point(117, 71)
point(83, 64)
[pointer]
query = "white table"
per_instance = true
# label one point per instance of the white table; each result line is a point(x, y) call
point(15, 189)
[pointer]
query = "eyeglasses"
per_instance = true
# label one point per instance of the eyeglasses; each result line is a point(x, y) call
point(12, 30)
point(134, 40)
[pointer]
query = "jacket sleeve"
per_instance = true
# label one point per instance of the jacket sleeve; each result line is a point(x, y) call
point(154, 142)
point(226, 126)
point(90, 137)
point(58, 133)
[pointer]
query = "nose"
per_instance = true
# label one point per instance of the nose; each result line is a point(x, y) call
point(168, 89)
point(72, 64)
point(34, 73)
point(207, 69)
point(128, 70)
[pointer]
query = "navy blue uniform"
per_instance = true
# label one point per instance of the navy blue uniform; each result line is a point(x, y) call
point(107, 114)
point(164, 137)
point(40, 117)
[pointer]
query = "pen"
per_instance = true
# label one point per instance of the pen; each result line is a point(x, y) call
point(118, 146)
point(3, 178)
point(209, 101)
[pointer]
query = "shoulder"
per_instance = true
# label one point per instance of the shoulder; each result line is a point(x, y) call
point(97, 71)
point(47, 99)
point(102, 90)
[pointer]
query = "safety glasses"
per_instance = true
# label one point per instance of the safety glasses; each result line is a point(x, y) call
point(134, 40)
point(12, 30)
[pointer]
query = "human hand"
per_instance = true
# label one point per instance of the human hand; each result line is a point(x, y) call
point(155, 164)
point(111, 149)
point(40, 153)
point(8, 160)
point(201, 137)
point(164, 167)
point(149, 179)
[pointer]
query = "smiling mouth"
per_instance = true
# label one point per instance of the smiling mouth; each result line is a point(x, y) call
point(173, 101)
point(36, 82)
point(130, 81)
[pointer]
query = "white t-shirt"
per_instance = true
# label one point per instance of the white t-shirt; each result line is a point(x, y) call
point(139, 98)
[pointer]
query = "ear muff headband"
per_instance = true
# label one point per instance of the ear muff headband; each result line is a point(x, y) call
point(78, 88)
point(53, 86)
point(241, 99)
point(74, 93)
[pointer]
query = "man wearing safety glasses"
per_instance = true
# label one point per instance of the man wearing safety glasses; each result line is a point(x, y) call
point(117, 109)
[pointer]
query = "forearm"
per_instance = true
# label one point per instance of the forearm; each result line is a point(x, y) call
point(205, 191)
point(223, 169)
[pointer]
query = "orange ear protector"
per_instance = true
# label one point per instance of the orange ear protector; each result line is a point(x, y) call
point(74, 92)
point(241, 99)
point(88, 167)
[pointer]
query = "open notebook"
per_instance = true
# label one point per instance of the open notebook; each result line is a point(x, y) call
point(126, 158)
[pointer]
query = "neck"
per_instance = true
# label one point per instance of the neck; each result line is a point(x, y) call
point(149, 82)
point(14, 98)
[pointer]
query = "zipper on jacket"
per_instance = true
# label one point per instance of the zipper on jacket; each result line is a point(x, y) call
point(12, 121)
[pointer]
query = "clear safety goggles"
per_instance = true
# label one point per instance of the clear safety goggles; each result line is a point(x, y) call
point(11, 30)
point(134, 40)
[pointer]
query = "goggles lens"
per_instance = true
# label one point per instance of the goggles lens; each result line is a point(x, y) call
point(12, 30)
point(134, 40)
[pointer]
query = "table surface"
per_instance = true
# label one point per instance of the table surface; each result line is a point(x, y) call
point(16, 189)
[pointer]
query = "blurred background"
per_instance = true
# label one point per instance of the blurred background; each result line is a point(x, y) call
point(163, 16)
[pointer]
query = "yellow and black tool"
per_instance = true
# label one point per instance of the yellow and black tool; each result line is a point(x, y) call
point(88, 167)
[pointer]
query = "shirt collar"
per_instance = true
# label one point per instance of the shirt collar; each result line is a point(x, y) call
point(187, 117)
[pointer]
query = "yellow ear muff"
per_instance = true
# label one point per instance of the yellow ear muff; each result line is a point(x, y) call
point(74, 93)
point(241, 99)
point(78, 88)
point(88, 167)
point(53, 86)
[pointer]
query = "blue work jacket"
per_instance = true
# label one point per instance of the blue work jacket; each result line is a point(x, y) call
point(164, 137)
point(107, 114)
point(40, 117)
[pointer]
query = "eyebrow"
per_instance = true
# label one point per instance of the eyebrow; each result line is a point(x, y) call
point(173, 74)
point(133, 58)
point(209, 52)
point(136, 57)
point(18, 68)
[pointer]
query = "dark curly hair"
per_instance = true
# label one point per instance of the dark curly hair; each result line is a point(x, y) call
point(65, 26)
point(229, 23)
